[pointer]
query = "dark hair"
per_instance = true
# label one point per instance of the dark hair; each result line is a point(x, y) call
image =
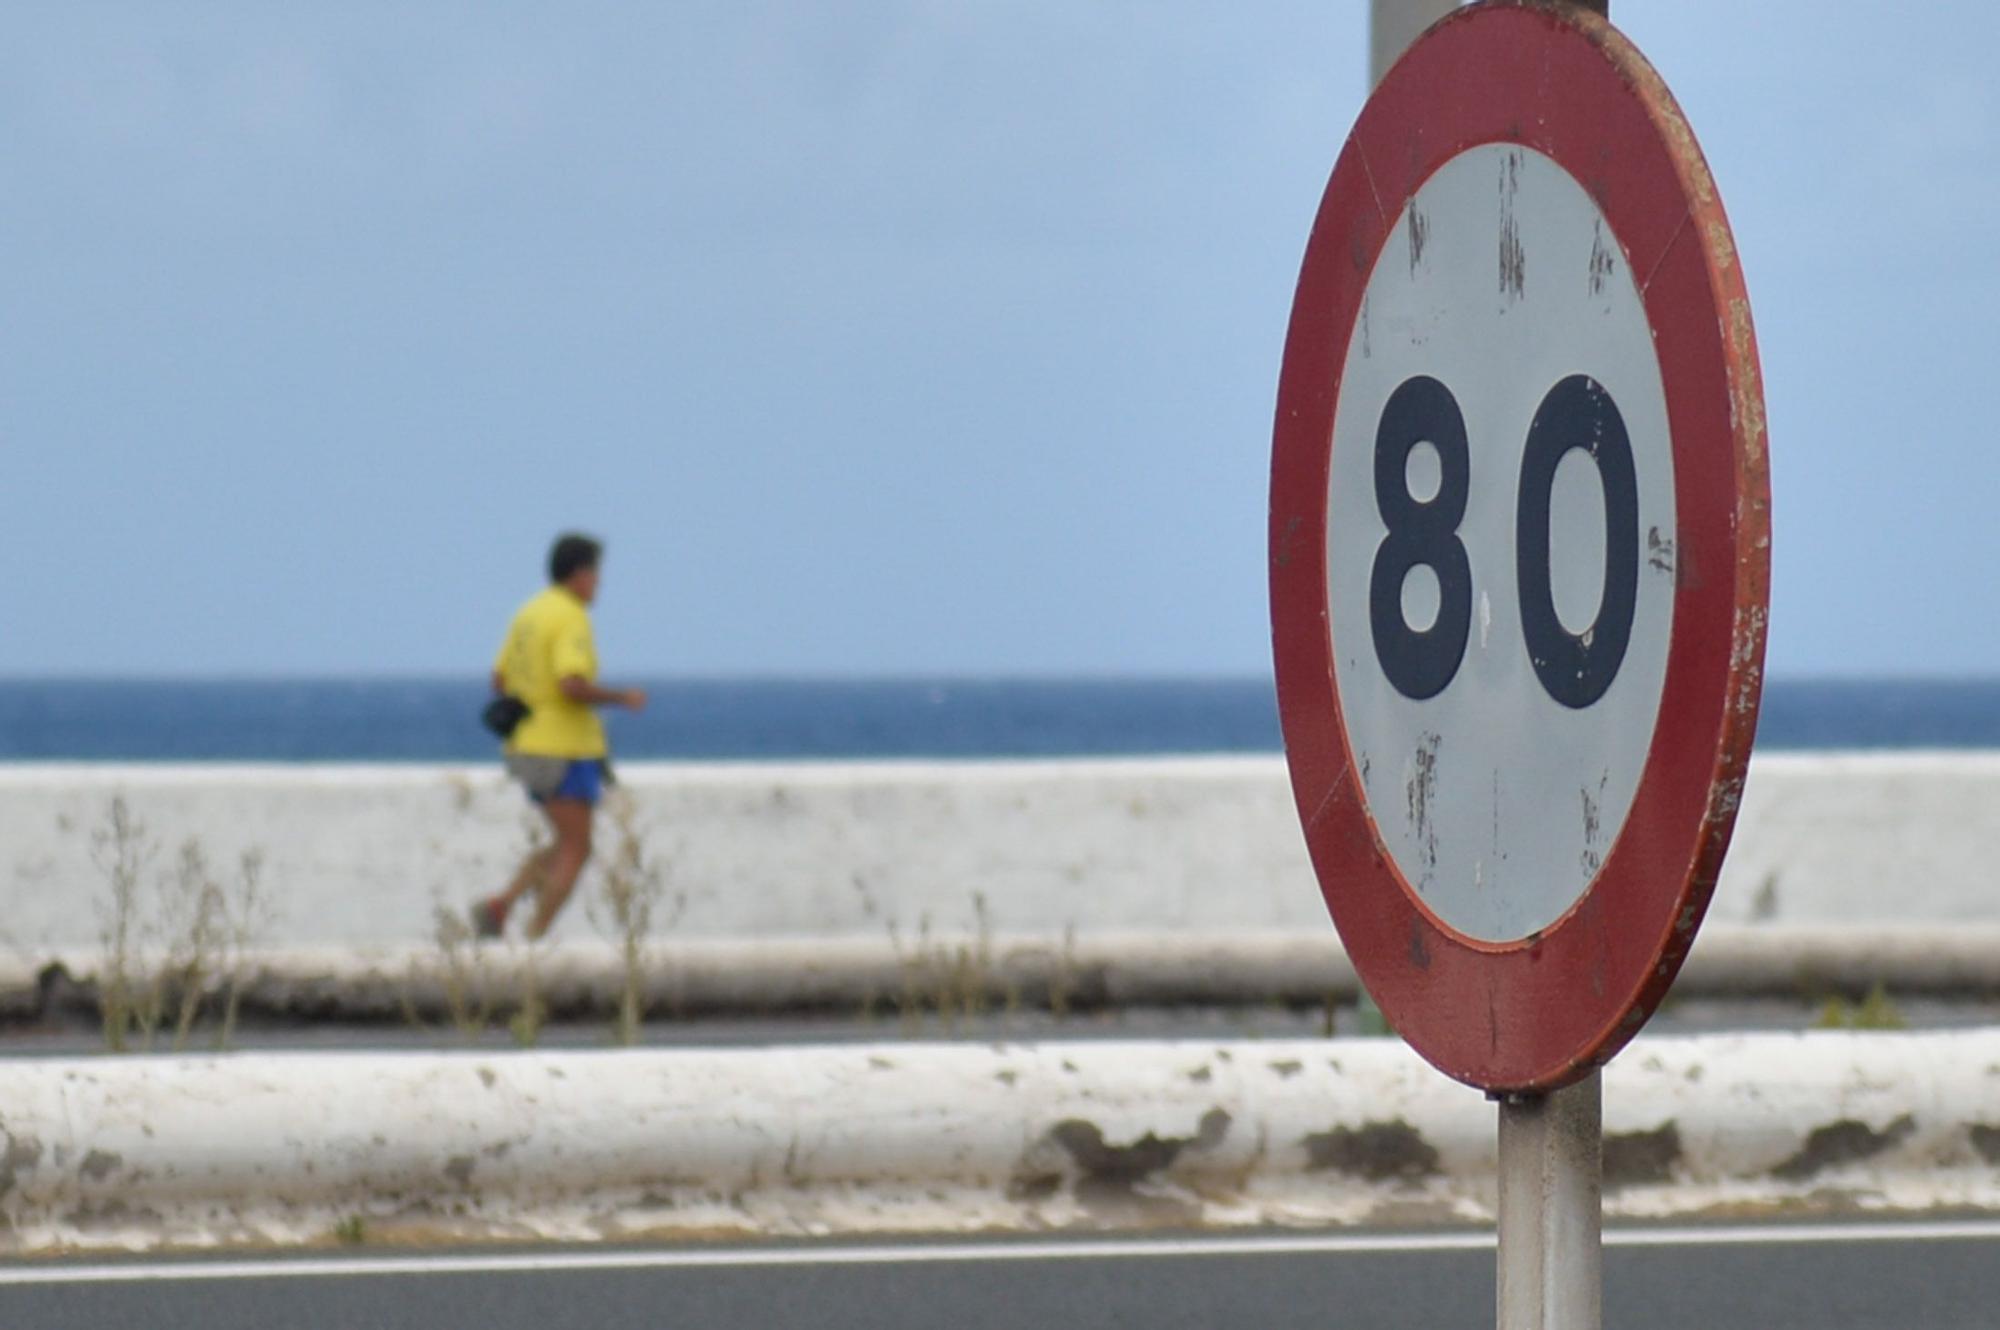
point(571, 554)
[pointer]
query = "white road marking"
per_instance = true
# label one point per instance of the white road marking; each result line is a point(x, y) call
point(557, 1262)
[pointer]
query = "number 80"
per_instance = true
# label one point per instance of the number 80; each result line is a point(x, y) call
point(1574, 668)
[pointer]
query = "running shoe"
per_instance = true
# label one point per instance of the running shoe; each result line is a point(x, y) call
point(489, 917)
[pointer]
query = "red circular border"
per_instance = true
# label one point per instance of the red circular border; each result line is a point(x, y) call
point(1537, 1014)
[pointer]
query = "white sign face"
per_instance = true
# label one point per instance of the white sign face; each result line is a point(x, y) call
point(1500, 542)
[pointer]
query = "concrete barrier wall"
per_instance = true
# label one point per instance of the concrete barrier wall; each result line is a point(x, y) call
point(361, 856)
point(146, 1152)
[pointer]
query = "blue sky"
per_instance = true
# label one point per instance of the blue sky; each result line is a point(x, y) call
point(877, 338)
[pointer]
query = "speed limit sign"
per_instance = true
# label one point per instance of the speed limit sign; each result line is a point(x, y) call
point(1519, 543)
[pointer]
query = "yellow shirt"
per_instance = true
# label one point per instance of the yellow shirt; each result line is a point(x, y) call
point(550, 641)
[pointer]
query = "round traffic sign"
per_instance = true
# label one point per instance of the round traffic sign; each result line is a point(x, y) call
point(1520, 543)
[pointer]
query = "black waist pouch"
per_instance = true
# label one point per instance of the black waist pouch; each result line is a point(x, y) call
point(503, 715)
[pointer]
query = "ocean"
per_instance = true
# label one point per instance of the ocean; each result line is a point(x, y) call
point(434, 720)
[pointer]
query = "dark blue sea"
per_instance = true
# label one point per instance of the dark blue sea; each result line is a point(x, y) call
point(435, 720)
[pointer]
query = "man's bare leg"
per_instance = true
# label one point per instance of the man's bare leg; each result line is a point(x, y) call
point(489, 916)
point(564, 862)
point(534, 870)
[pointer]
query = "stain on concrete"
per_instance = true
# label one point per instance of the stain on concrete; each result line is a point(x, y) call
point(1985, 1139)
point(1202, 1075)
point(459, 1169)
point(1764, 905)
point(99, 1165)
point(1034, 1186)
point(1843, 1142)
point(21, 1153)
point(113, 1211)
point(1636, 1158)
point(1288, 1067)
point(487, 1078)
point(1374, 1151)
point(1007, 1078)
point(1108, 1167)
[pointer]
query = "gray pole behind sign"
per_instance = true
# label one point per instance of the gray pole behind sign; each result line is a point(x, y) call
point(1551, 1260)
point(1393, 25)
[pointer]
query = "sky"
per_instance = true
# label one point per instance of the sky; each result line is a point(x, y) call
point(890, 337)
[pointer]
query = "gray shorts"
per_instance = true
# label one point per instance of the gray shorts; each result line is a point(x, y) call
point(546, 778)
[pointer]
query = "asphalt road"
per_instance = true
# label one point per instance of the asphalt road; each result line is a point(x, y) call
point(1937, 1276)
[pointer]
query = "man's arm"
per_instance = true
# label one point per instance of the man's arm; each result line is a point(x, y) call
point(579, 689)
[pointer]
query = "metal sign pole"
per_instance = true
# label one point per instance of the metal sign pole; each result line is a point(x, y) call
point(1552, 1209)
point(1393, 25)
point(1551, 1212)
point(1550, 1266)
point(1551, 1220)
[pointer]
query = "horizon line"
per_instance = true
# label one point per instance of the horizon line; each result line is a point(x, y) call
point(930, 678)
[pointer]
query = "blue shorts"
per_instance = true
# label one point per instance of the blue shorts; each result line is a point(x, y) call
point(583, 782)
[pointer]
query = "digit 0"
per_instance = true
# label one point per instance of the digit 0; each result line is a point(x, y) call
point(1577, 668)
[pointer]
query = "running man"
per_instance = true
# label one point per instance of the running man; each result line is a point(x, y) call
point(549, 662)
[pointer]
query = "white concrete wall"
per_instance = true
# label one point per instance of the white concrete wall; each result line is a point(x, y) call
point(282, 1148)
point(361, 855)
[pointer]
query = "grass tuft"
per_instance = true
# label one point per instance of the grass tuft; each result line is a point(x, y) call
point(633, 897)
point(171, 939)
point(1876, 1011)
